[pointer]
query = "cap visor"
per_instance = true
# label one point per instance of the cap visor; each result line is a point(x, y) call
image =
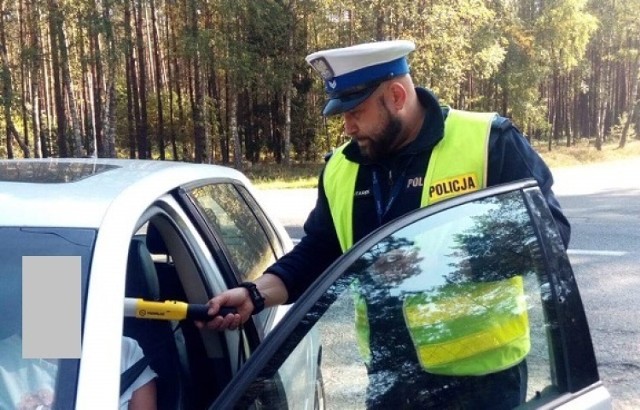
point(341, 105)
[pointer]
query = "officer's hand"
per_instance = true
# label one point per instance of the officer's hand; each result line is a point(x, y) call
point(237, 298)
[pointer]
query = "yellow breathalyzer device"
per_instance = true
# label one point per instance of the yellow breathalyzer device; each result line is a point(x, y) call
point(170, 310)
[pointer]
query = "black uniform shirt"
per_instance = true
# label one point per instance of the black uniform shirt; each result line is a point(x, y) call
point(511, 158)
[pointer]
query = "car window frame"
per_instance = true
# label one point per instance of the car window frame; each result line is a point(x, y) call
point(220, 252)
point(167, 212)
point(580, 369)
point(279, 341)
point(211, 237)
point(187, 201)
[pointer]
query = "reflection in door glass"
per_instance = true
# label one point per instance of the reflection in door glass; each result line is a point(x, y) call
point(444, 313)
point(227, 212)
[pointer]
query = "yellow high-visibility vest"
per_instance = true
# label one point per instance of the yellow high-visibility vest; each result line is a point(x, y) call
point(457, 338)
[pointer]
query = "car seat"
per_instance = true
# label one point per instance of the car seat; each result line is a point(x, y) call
point(156, 337)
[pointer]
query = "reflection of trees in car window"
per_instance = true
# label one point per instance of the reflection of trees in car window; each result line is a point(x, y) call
point(496, 245)
point(397, 265)
point(392, 352)
point(241, 232)
point(470, 321)
point(49, 172)
point(391, 261)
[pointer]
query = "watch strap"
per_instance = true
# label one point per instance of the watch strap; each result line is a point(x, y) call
point(256, 297)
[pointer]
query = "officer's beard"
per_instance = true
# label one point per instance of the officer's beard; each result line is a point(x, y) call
point(383, 143)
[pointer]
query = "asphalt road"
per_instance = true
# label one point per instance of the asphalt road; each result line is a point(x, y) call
point(602, 203)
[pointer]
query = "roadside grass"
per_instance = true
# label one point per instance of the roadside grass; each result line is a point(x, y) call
point(276, 176)
point(584, 152)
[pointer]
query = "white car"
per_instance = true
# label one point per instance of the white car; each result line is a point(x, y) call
point(151, 230)
point(206, 233)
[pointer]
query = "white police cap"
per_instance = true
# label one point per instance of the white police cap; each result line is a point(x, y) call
point(351, 74)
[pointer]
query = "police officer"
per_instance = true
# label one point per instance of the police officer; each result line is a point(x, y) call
point(405, 152)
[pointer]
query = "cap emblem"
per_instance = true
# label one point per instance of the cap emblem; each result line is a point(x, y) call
point(321, 65)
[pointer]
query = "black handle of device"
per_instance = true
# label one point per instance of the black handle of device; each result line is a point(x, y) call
point(201, 312)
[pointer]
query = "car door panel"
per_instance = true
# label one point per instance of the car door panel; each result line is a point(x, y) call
point(227, 224)
point(185, 271)
point(577, 346)
point(446, 255)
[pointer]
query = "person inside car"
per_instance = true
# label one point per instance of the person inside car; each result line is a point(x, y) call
point(27, 384)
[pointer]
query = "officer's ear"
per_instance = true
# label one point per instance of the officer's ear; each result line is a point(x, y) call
point(396, 96)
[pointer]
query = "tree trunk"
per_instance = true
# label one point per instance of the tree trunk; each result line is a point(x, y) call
point(171, 39)
point(286, 145)
point(181, 114)
point(200, 154)
point(108, 119)
point(566, 109)
point(198, 106)
point(35, 113)
point(633, 103)
point(58, 99)
point(233, 128)
point(133, 111)
point(34, 69)
point(7, 92)
point(77, 148)
point(23, 79)
point(288, 94)
point(47, 92)
point(87, 120)
point(97, 112)
point(142, 131)
point(131, 129)
point(158, 79)
point(225, 141)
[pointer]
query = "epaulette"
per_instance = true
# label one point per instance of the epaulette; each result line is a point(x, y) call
point(501, 123)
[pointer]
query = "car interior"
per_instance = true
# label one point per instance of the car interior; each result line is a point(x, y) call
point(192, 367)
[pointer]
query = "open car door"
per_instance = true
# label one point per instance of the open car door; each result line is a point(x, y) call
point(467, 288)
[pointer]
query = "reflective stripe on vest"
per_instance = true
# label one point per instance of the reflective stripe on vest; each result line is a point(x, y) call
point(362, 324)
point(340, 173)
point(457, 166)
point(469, 329)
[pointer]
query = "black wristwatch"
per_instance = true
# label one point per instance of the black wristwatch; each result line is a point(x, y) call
point(256, 298)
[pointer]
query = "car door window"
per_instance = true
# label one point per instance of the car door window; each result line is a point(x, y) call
point(458, 309)
point(241, 227)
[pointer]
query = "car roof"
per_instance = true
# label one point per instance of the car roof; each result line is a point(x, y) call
point(77, 192)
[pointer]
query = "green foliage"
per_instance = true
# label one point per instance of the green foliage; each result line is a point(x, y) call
point(456, 42)
point(273, 176)
point(488, 60)
point(494, 55)
point(564, 29)
point(616, 130)
point(335, 135)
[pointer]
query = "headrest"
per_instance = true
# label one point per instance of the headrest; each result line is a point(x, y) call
point(142, 279)
point(155, 243)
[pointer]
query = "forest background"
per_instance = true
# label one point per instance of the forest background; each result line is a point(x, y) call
point(225, 81)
